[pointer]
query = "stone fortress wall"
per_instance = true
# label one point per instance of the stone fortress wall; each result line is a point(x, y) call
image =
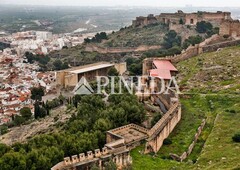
point(209, 45)
point(162, 129)
point(112, 50)
point(123, 139)
point(120, 156)
point(182, 18)
point(191, 146)
point(230, 28)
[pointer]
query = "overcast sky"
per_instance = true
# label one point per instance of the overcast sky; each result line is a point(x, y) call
point(154, 3)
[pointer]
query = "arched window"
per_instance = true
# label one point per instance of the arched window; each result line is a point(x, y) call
point(191, 21)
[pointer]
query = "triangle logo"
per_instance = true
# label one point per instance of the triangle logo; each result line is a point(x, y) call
point(83, 87)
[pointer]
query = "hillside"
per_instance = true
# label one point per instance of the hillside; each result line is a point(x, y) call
point(216, 72)
point(134, 37)
point(147, 41)
point(210, 90)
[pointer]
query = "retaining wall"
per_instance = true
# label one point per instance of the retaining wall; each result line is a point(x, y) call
point(191, 146)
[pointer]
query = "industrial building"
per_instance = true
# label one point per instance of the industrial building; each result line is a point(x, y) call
point(71, 77)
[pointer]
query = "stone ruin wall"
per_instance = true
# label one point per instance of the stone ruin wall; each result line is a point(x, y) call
point(191, 146)
point(230, 28)
point(188, 18)
point(215, 47)
point(111, 135)
point(203, 47)
point(163, 128)
point(103, 50)
point(215, 18)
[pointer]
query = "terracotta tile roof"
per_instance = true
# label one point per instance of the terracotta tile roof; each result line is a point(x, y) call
point(163, 74)
point(163, 69)
point(5, 120)
point(22, 98)
point(164, 65)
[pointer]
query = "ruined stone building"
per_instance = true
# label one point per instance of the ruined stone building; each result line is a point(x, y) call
point(142, 21)
point(216, 18)
point(230, 28)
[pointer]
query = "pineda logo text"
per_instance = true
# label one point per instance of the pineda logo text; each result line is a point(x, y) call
point(133, 84)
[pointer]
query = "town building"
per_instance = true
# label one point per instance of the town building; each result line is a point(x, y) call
point(16, 80)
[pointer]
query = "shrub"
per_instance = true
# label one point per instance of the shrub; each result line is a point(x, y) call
point(236, 138)
point(167, 141)
point(232, 111)
point(204, 27)
point(155, 119)
point(192, 40)
point(181, 21)
point(171, 39)
point(226, 36)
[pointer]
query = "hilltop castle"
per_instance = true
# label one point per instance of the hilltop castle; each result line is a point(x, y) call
point(183, 18)
point(176, 21)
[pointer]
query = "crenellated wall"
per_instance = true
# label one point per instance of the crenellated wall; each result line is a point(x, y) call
point(120, 156)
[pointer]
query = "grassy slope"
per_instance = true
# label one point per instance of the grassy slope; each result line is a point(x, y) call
point(134, 37)
point(211, 92)
point(219, 151)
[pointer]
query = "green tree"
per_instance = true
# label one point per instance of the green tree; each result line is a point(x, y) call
point(102, 124)
point(30, 57)
point(78, 126)
point(4, 128)
point(204, 27)
point(26, 113)
point(181, 21)
point(18, 120)
point(37, 93)
point(192, 40)
point(57, 64)
point(4, 149)
point(113, 72)
point(174, 50)
point(37, 111)
point(43, 112)
point(155, 119)
point(13, 160)
point(171, 39)
point(65, 65)
point(87, 40)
